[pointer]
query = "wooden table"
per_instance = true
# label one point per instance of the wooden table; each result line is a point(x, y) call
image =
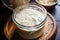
point(49, 30)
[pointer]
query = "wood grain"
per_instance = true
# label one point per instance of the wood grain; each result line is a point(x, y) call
point(49, 31)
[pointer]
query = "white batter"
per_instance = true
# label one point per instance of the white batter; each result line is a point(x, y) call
point(29, 17)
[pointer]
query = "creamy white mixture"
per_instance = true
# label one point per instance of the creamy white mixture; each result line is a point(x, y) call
point(29, 17)
point(47, 2)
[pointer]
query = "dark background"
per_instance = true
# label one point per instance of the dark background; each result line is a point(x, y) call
point(5, 13)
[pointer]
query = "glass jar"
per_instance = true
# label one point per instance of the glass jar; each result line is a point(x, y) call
point(30, 32)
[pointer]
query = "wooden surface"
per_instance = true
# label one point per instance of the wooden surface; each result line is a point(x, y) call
point(5, 13)
point(49, 30)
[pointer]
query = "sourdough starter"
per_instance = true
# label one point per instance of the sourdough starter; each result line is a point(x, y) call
point(29, 17)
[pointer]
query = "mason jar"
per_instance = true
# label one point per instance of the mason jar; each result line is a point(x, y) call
point(26, 31)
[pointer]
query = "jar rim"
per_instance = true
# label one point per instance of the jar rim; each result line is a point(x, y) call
point(35, 26)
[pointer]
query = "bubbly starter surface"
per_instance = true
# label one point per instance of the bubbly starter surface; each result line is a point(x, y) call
point(29, 17)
